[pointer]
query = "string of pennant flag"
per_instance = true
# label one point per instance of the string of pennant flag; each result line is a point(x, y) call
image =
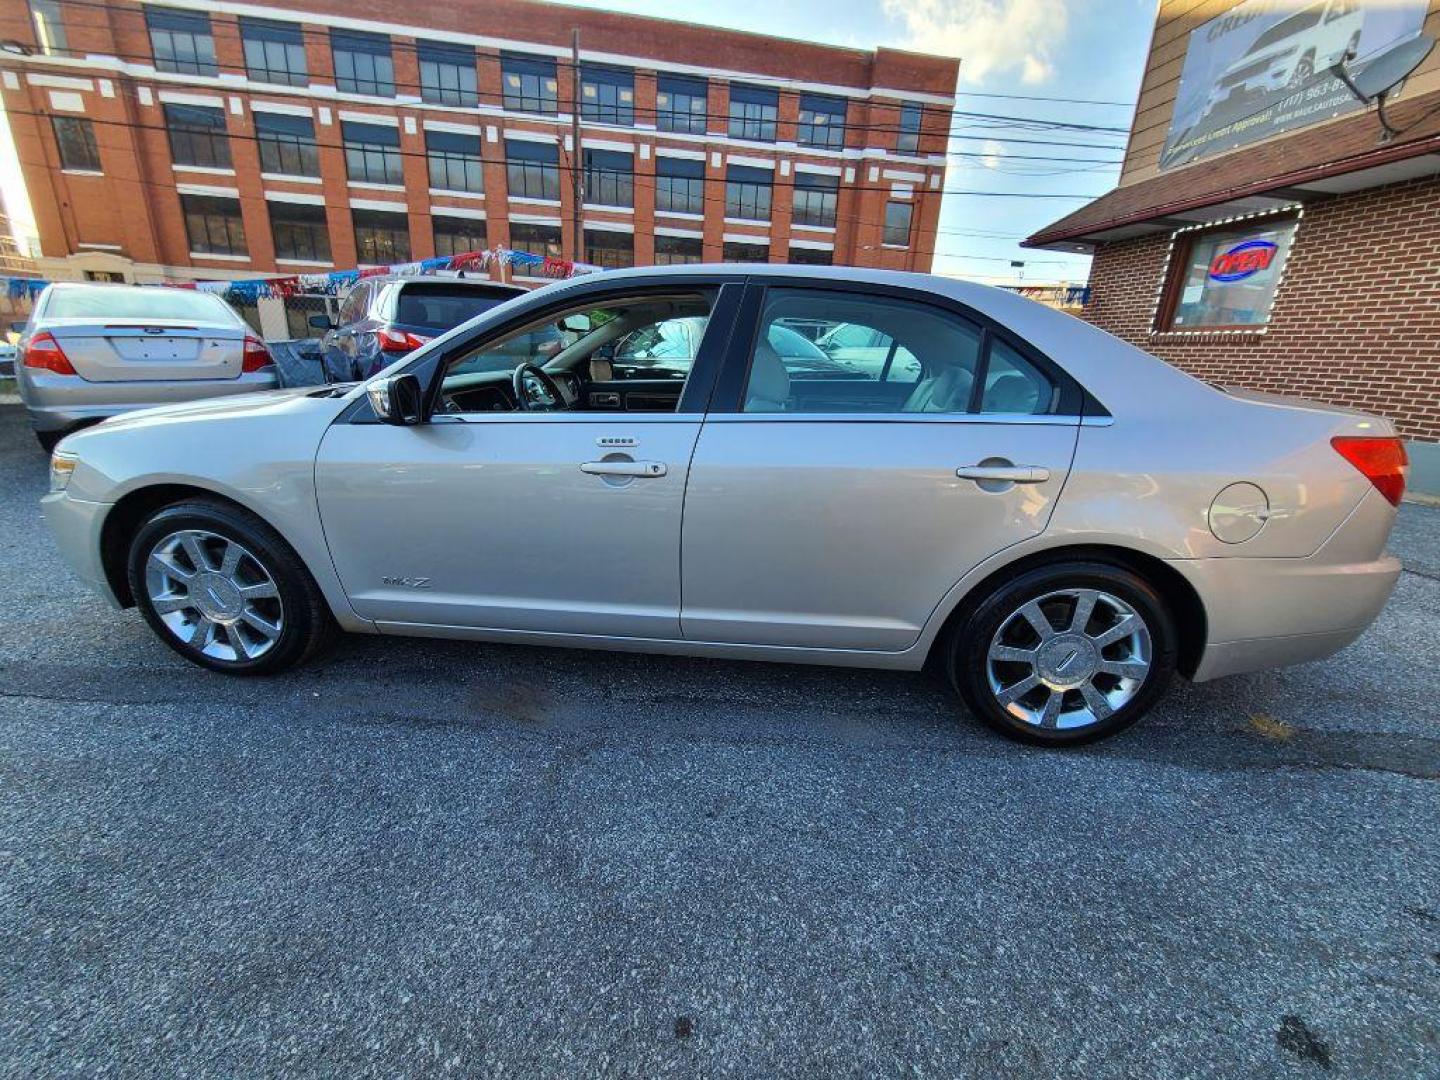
point(335, 282)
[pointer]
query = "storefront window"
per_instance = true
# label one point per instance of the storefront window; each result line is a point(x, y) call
point(1225, 278)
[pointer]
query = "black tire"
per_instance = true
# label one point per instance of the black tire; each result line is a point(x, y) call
point(968, 655)
point(307, 624)
point(1303, 71)
point(48, 440)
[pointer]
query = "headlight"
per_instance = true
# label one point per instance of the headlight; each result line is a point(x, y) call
point(62, 467)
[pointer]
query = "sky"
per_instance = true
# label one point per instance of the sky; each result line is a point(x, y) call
point(1072, 50)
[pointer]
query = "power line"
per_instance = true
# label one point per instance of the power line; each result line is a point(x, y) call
point(1037, 97)
point(439, 211)
point(137, 13)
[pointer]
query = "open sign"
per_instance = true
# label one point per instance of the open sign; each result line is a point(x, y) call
point(1242, 260)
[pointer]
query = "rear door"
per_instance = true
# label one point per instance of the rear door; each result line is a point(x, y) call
point(811, 525)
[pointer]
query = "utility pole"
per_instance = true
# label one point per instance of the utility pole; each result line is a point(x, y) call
point(577, 182)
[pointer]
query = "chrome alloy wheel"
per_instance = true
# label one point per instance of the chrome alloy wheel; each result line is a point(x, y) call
point(214, 595)
point(1068, 659)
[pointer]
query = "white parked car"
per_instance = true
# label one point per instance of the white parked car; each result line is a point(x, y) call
point(1058, 519)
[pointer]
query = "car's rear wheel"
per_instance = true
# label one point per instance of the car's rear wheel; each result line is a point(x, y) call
point(224, 590)
point(1065, 654)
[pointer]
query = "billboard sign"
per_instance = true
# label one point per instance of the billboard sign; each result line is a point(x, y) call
point(1262, 68)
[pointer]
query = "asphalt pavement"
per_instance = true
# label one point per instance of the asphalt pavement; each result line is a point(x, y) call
point(439, 858)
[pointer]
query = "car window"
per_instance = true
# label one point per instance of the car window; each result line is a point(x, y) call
point(443, 307)
point(825, 352)
point(352, 308)
point(103, 302)
point(1013, 384)
point(648, 337)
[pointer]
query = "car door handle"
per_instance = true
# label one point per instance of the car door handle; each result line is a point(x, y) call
point(624, 468)
point(1014, 474)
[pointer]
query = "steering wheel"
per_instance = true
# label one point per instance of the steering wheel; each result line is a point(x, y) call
point(528, 401)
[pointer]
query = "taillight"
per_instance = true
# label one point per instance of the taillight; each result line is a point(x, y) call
point(44, 352)
point(256, 356)
point(1382, 460)
point(399, 341)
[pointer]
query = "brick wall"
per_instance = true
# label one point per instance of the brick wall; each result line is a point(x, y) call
point(1356, 320)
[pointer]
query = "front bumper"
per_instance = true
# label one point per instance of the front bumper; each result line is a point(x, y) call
point(76, 526)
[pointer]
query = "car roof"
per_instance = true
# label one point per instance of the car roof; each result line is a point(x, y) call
point(478, 284)
point(1109, 368)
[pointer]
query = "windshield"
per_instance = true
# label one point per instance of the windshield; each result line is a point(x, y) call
point(444, 307)
point(153, 302)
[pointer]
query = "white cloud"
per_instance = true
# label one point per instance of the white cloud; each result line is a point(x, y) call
point(991, 37)
point(991, 152)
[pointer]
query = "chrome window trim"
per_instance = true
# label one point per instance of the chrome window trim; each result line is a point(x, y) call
point(1044, 419)
point(618, 417)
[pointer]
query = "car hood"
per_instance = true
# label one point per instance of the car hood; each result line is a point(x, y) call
point(235, 405)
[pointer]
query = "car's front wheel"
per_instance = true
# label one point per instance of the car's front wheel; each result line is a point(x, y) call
point(224, 590)
point(1065, 654)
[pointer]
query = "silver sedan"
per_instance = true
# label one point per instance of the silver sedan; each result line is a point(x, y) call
point(1059, 521)
point(90, 351)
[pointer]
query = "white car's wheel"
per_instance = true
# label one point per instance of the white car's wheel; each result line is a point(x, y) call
point(222, 589)
point(1065, 654)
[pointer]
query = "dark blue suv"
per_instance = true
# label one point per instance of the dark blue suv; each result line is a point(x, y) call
point(383, 318)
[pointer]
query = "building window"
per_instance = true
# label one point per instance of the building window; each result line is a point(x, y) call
point(611, 250)
point(49, 27)
point(529, 84)
point(801, 256)
point(274, 52)
point(362, 63)
point(678, 250)
point(897, 223)
point(457, 236)
point(532, 170)
point(197, 136)
point(372, 153)
point(300, 231)
point(679, 185)
point(747, 192)
point(753, 112)
point(213, 225)
point(822, 122)
point(816, 196)
point(381, 237)
point(447, 75)
point(609, 178)
point(681, 104)
point(76, 139)
point(287, 144)
point(181, 41)
point(607, 95)
point(1225, 278)
point(739, 252)
point(907, 139)
point(543, 240)
point(454, 160)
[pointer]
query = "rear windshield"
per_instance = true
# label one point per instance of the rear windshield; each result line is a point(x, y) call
point(444, 307)
point(157, 302)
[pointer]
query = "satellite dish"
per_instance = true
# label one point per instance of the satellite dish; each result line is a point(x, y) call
point(1383, 73)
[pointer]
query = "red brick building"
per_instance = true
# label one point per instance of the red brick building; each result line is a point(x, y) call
point(186, 138)
point(1264, 233)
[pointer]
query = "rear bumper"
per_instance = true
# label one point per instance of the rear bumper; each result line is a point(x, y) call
point(1268, 613)
point(62, 402)
point(76, 525)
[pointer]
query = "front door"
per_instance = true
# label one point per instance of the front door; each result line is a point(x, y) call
point(843, 494)
point(563, 522)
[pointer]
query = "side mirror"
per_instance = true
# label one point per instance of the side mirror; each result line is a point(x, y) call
point(576, 324)
point(320, 322)
point(396, 400)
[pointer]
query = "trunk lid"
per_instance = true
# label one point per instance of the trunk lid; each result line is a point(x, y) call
point(150, 351)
